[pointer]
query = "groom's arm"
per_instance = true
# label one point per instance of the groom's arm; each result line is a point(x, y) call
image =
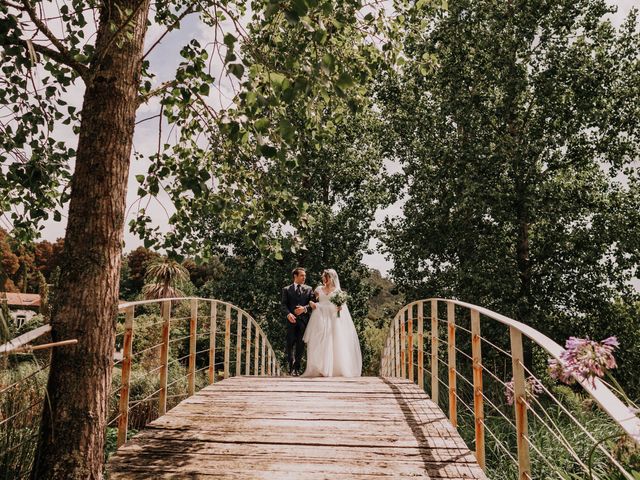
point(284, 307)
point(284, 304)
point(310, 297)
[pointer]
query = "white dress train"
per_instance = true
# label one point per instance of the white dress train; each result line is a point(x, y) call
point(333, 348)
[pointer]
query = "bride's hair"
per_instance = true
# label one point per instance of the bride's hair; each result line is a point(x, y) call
point(333, 275)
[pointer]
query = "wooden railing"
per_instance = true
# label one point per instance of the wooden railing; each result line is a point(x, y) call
point(231, 343)
point(461, 365)
point(221, 319)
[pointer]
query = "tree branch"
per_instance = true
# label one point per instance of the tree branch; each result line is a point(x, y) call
point(56, 56)
point(169, 28)
point(156, 91)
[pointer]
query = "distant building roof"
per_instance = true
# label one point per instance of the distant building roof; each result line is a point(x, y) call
point(21, 299)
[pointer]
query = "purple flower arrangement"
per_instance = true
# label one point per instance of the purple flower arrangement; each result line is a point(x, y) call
point(584, 359)
point(533, 388)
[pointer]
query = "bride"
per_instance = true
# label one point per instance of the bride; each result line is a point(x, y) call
point(333, 348)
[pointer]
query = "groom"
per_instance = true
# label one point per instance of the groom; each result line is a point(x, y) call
point(296, 310)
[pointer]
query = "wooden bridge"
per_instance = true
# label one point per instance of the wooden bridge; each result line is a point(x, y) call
point(287, 427)
point(223, 409)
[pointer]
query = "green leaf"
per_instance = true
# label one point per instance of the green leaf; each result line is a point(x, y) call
point(344, 81)
point(261, 125)
point(236, 69)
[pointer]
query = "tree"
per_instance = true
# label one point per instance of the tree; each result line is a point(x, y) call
point(136, 264)
point(9, 263)
point(164, 278)
point(117, 79)
point(517, 127)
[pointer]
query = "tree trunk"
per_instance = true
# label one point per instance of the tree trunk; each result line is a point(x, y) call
point(72, 431)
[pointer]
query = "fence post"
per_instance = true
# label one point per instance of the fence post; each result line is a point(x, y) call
point(164, 357)
point(421, 344)
point(227, 340)
point(451, 350)
point(263, 356)
point(435, 386)
point(520, 403)
point(239, 345)
point(193, 329)
point(403, 341)
point(256, 352)
point(123, 421)
point(410, 342)
point(212, 342)
point(396, 347)
point(478, 403)
point(269, 362)
point(247, 360)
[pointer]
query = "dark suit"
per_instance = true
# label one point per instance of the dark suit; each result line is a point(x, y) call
point(290, 300)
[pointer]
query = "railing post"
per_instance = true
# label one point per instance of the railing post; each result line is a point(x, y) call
point(247, 360)
point(478, 403)
point(435, 387)
point(263, 356)
point(403, 341)
point(239, 345)
point(212, 342)
point(164, 357)
point(269, 363)
point(520, 403)
point(396, 345)
point(256, 352)
point(410, 342)
point(227, 340)
point(421, 344)
point(451, 350)
point(123, 421)
point(193, 329)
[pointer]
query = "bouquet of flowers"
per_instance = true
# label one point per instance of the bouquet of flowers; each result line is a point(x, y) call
point(339, 298)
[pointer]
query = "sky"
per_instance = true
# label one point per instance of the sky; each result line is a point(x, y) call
point(164, 59)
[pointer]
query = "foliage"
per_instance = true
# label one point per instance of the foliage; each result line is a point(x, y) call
point(16, 437)
point(516, 126)
point(164, 278)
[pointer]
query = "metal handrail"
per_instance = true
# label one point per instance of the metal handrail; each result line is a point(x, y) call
point(264, 358)
point(397, 360)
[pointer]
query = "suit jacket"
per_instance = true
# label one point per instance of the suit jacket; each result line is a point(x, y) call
point(291, 299)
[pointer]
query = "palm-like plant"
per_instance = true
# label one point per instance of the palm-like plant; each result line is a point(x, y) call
point(163, 278)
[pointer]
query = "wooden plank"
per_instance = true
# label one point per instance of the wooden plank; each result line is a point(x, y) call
point(212, 341)
point(193, 333)
point(274, 428)
point(520, 403)
point(227, 340)
point(421, 345)
point(396, 355)
point(435, 385)
point(123, 420)
point(24, 339)
point(239, 345)
point(164, 356)
point(410, 342)
point(478, 401)
point(451, 359)
point(247, 360)
point(403, 342)
point(263, 355)
point(256, 351)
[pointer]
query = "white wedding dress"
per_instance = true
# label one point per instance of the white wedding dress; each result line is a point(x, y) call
point(333, 348)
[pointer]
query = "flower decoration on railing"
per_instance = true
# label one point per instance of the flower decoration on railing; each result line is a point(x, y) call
point(533, 388)
point(584, 359)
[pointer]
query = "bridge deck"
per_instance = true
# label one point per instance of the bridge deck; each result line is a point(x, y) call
point(285, 428)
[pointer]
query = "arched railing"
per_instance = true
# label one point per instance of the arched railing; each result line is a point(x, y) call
point(473, 367)
point(210, 340)
point(243, 346)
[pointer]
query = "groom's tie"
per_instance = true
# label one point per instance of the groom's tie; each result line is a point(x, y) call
point(298, 290)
